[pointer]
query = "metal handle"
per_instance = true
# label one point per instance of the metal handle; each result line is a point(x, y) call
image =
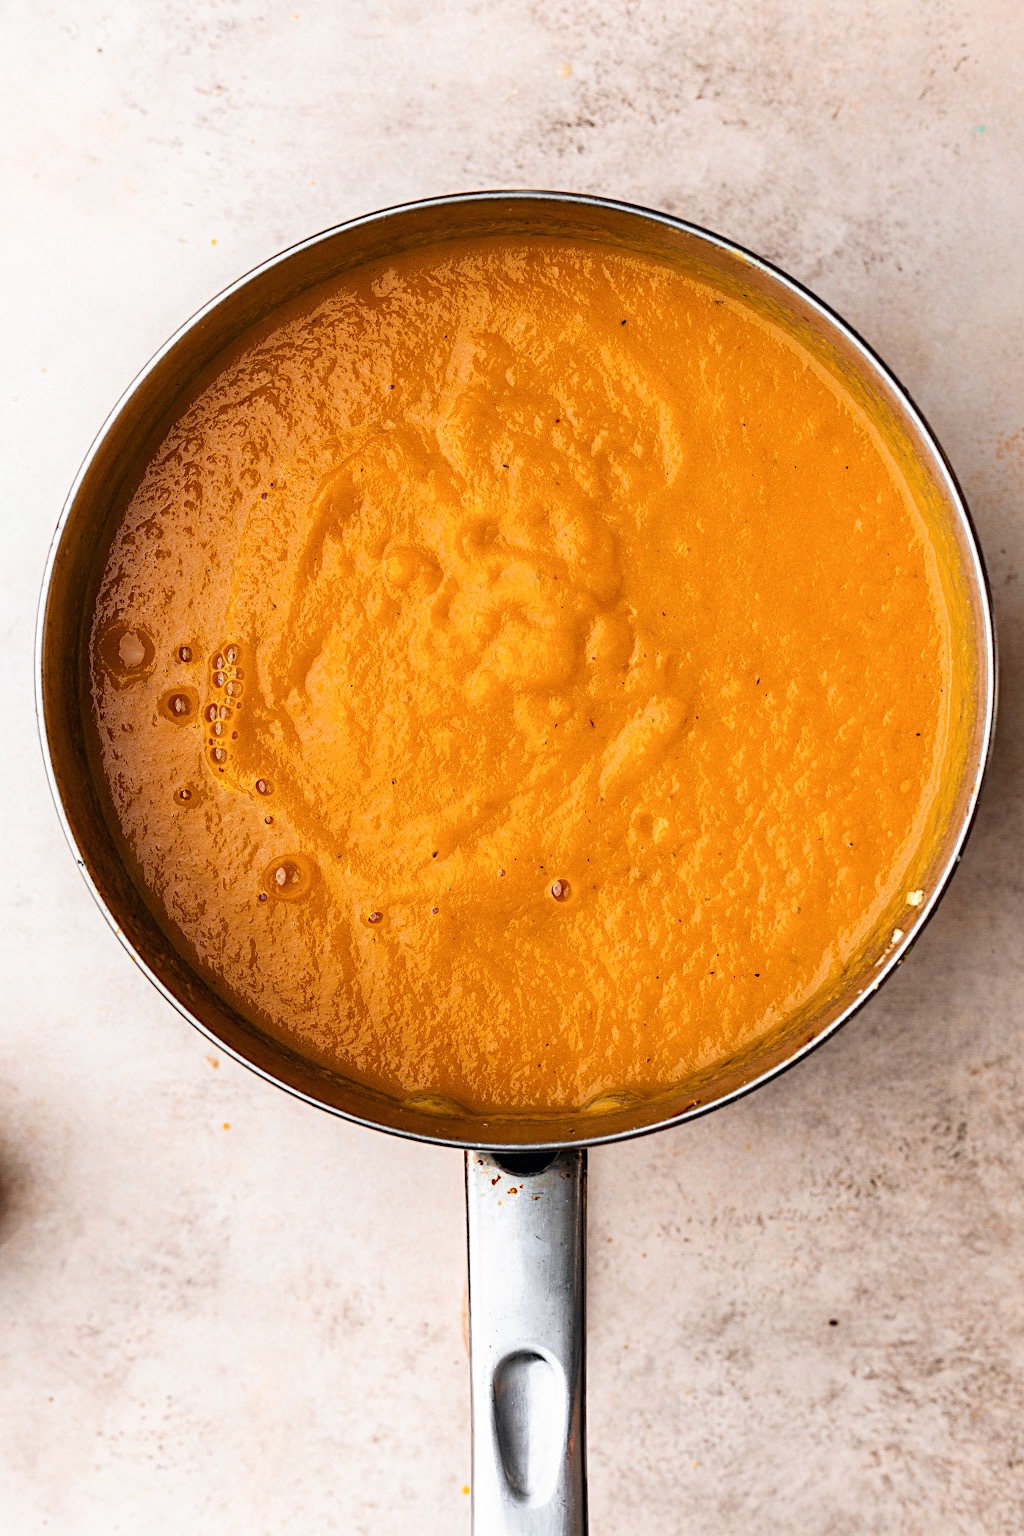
point(526, 1222)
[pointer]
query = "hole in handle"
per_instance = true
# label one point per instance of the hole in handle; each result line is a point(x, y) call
point(524, 1163)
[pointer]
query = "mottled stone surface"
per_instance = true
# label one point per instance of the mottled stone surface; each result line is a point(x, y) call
point(224, 1314)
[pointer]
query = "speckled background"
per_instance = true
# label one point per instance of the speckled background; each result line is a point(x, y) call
point(224, 1314)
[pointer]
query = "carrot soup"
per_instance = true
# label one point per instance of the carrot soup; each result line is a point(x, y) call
point(522, 675)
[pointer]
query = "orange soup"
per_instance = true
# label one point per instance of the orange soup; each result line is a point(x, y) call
point(522, 675)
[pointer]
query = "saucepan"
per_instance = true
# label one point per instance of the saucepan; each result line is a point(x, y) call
point(525, 1176)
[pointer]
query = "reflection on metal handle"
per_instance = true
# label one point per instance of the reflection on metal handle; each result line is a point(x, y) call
point(526, 1219)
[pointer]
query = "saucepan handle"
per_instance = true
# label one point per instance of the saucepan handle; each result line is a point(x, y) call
point(526, 1221)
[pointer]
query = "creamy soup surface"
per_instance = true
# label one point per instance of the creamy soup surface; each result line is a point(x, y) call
point(521, 676)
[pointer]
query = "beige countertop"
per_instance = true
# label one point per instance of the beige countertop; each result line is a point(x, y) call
point(224, 1314)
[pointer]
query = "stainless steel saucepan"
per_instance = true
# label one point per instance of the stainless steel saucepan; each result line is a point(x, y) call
point(525, 1177)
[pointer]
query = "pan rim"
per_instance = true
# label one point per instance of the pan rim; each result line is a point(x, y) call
point(975, 572)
